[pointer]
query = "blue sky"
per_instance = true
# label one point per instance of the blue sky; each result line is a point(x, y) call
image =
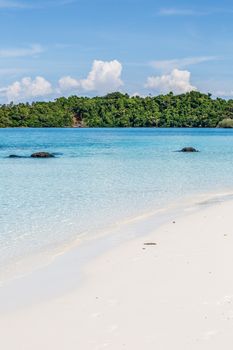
point(91, 47)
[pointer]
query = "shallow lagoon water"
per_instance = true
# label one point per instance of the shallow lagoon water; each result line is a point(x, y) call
point(99, 177)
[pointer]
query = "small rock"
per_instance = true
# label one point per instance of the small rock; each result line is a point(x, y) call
point(189, 149)
point(42, 155)
point(150, 243)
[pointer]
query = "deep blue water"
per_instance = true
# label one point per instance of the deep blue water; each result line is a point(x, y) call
point(100, 177)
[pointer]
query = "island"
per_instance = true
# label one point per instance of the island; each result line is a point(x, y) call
point(192, 109)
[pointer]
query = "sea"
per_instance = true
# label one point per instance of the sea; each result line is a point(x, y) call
point(99, 178)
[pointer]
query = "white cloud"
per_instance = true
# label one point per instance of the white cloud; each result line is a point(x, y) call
point(168, 65)
point(103, 77)
point(27, 89)
point(139, 94)
point(175, 11)
point(67, 83)
point(178, 12)
point(13, 71)
point(11, 4)
point(54, 3)
point(21, 52)
point(178, 81)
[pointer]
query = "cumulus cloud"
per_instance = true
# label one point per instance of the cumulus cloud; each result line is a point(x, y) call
point(68, 83)
point(178, 81)
point(104, 77)
point(27, 88)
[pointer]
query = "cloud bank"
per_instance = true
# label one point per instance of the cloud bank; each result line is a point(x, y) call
point(27, 88)
point(104, 77)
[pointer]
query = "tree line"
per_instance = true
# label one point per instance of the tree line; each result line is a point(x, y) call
point(192, 109)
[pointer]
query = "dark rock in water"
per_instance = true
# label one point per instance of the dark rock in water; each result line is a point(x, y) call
point(188, 149)
point(14, 156)
point(42, 155)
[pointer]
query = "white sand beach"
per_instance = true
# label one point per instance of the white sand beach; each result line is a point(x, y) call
point(174, 293)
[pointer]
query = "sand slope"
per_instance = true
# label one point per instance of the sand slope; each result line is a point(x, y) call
point(177, 294)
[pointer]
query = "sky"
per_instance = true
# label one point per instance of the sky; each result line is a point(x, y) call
point(59, 48)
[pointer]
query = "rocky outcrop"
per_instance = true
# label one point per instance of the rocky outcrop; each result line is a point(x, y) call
point(188, 149)
point(77, 121)
point(42, 155)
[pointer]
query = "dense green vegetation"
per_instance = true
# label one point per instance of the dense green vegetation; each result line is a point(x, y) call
point(226, 123)
point(192, 109)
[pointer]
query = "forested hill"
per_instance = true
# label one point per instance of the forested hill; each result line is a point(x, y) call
point(192, 109)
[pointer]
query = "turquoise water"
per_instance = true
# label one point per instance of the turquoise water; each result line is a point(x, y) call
point(99, 177)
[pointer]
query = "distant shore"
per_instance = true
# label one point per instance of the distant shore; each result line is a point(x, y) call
point(168, 288)
point(192, 110)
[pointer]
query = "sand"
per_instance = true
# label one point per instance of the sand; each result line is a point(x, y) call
point(175, 292)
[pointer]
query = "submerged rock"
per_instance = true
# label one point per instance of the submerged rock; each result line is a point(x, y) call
point(42, 155)
point(14, 156)
point(189, 149)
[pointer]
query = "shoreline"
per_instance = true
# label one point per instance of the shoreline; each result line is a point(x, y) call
point(175, 294)
point(85, 249)
point(24, 266)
